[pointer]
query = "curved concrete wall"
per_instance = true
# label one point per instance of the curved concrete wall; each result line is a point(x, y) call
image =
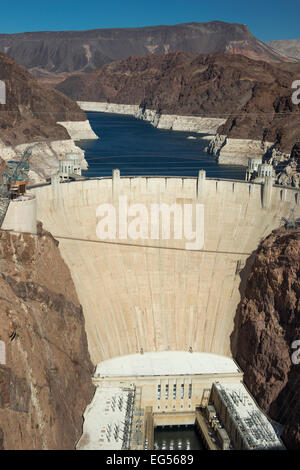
point(156, 295)
point(21, 215)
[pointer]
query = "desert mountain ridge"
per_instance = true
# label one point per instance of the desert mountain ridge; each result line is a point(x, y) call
point(48, 53)
point(287, 47)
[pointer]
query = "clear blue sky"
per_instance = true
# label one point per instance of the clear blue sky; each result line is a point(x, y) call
point(276, 19)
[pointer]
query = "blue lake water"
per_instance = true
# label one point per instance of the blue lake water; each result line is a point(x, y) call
point(138, 148)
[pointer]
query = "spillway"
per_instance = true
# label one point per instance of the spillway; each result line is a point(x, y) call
point(156, 295)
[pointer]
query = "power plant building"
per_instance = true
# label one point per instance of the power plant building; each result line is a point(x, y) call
point(246, 425)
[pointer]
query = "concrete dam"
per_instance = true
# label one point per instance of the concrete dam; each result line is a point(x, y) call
point(154, 295)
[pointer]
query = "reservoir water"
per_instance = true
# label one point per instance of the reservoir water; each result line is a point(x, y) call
point(137, 148)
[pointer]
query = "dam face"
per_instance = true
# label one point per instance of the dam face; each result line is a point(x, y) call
point(155, 295)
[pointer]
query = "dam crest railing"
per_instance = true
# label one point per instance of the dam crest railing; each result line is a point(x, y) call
point(97, 178)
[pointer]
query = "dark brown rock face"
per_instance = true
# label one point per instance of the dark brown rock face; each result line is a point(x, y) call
point(254, 96)
point(32, 109)
point(267, 324)
point(45, 374)
point(295, 153)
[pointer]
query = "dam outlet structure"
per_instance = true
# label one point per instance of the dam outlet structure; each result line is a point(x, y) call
point(145, 299)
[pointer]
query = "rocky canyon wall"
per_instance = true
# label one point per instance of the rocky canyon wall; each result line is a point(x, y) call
point(45, 368)
point(266, 326)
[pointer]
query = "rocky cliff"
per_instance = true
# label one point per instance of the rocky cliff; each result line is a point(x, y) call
point(32, 110)
point(45, 368)
point(36, 113)
point(288, 170)
point(267, 324)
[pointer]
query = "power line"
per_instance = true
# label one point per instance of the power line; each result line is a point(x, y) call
point(61, 237)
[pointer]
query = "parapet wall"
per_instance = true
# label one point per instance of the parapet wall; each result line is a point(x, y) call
point(155, 295)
